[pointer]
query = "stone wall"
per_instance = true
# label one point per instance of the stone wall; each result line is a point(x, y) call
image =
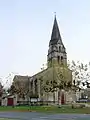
point(70, 96)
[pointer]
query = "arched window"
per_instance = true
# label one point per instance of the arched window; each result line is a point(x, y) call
point(59, 49)
point(62, 60)
point(35, 85)
point(31, 86)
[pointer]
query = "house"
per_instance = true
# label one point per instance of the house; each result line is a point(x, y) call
point(9, 100)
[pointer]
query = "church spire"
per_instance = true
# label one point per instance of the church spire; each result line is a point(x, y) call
point(55, 36)
point(57, 52)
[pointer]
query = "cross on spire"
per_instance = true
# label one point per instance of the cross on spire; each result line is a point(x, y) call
point(55, 14)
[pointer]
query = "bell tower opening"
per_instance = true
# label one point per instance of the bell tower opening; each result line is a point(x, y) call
point(61, 58)
point(59, 49)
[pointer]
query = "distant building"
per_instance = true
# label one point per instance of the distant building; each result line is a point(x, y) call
point(56, 70)
point(9, 100)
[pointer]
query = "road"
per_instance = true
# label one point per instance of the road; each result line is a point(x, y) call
point(42, 116)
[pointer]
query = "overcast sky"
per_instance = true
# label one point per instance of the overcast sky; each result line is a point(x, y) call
point(25, 31)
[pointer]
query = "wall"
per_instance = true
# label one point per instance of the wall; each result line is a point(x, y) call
point(70, 96)
point(4, 101)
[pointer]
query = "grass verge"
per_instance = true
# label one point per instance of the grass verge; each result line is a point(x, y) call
point(46, 109)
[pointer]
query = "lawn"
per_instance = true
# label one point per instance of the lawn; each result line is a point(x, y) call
point(47, 109)
point(8, 119)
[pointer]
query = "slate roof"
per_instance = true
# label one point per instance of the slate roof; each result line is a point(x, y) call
point(55, 36)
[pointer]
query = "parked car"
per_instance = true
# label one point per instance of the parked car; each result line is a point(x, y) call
point(82, 100)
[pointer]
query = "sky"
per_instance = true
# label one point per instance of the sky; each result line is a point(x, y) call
point(25, 32)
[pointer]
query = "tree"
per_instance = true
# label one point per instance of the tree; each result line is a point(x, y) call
point(20, 88)
point(12, 90)
point(55, 80)
point(1, 89)
point(80, 72)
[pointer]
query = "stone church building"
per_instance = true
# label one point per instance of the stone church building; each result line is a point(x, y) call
point(41, 84)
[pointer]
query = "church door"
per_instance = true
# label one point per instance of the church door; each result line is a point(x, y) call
point(62, 98)
point(10, 102)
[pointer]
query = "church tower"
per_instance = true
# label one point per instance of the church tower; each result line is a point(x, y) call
point(57, 55)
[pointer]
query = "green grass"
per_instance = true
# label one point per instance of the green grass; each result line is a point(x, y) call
point(47, 109)
point(8, 119)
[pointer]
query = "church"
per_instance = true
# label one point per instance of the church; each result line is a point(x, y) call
point(41, 84)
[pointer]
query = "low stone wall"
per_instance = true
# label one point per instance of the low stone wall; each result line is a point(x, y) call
point(75, 105)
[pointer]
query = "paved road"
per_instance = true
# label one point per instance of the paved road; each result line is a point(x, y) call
point(41, 116)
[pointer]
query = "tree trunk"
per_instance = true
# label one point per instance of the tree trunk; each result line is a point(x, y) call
point(47, 97)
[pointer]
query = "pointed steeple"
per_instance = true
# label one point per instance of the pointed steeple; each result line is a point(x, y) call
point(55, 33)
point(57, 52)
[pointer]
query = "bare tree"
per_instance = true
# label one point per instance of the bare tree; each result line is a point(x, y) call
point(1, 89)
point(19, 88)
point(55, 80)
point(81, 74)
